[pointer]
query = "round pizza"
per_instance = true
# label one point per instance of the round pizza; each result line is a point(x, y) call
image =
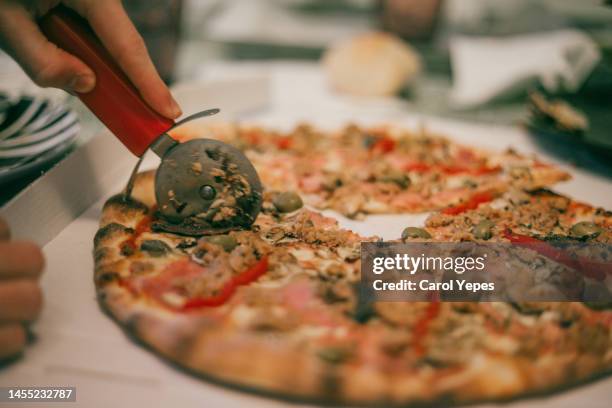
point(276, 308)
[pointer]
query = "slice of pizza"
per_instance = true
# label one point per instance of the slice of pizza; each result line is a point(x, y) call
point(383, 170)
point(519, 216)
point(275, 309)
point(563, 236)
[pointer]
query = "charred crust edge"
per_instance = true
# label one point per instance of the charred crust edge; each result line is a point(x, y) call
point(110, 229)
point(124, 201)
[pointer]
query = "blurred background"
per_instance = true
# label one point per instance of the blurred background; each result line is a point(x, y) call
point(545, 65)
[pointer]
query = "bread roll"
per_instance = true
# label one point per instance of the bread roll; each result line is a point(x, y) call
point(371, 64)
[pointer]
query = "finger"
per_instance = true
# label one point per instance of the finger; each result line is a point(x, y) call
point(20, 300)
point(43, 61)
point(12, 340)
point(5, 231)
point(114, 28)
point(20, 260)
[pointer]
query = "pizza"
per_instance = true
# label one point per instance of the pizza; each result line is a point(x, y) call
point(381, 170)
point(541, 215)
point(276, 308)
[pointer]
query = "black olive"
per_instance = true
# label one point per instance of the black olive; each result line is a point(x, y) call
point(155, 247)
point(585, 230)
point(227, 242)
point(414, 232)
point(287, 202)
point(483, 230)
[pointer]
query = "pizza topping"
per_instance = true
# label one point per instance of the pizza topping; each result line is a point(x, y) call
point(180, 284)
point(585, 230)
point(284, 143)
point(196, 167)
point(592, 269)
point(414, 232)
point(155, 247)
point(483, 230)
point(383, 144)
point(472, 203)
point(227, 242)
point(421, 327)
point(187, 243)
point(335, 355)
point(288, 201)
point(228, 289)
point(339, 295)
point(397, 177)
point(395, 343)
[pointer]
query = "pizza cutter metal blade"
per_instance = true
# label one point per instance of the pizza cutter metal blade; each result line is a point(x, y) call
point(202, 186)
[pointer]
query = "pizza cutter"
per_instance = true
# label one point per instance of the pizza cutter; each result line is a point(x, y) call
point(202, 186)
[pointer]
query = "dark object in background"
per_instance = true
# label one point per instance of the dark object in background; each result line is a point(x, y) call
point(159, 23)
point(590, 148)
point(411, 19)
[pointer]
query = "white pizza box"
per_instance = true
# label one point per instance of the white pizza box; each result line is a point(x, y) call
point(78, 345)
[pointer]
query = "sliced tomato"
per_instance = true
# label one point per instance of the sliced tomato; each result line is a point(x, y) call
point(417, 167)
point(452, 169)
point(421, 327)
point(482, 170)
point(284, 143)
point(226, 292)
point(472, 203)
point(156, 287)
point(383, 144)
point(252, 136)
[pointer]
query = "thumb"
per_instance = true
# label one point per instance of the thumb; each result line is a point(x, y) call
point(60, 70)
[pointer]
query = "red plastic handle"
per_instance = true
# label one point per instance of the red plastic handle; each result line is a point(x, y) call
point(114, 100)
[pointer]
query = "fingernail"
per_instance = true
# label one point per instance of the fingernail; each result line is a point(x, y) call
point(83, 83)
point(175, 109)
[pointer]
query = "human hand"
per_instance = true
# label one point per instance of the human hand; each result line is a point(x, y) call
point(21, 263)
point(50, 66)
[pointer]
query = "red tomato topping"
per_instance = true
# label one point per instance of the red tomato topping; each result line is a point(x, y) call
point(538, 165)
point(185, 269)
point(418, 167)
point(422, 325)
point(485, 170)
point(452, 169)
point(472, 203)
point(244, 278)
point(284, 143)
point(252, 136)
point(383, 144)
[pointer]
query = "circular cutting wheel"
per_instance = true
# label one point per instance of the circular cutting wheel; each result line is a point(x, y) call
point(205, 186)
